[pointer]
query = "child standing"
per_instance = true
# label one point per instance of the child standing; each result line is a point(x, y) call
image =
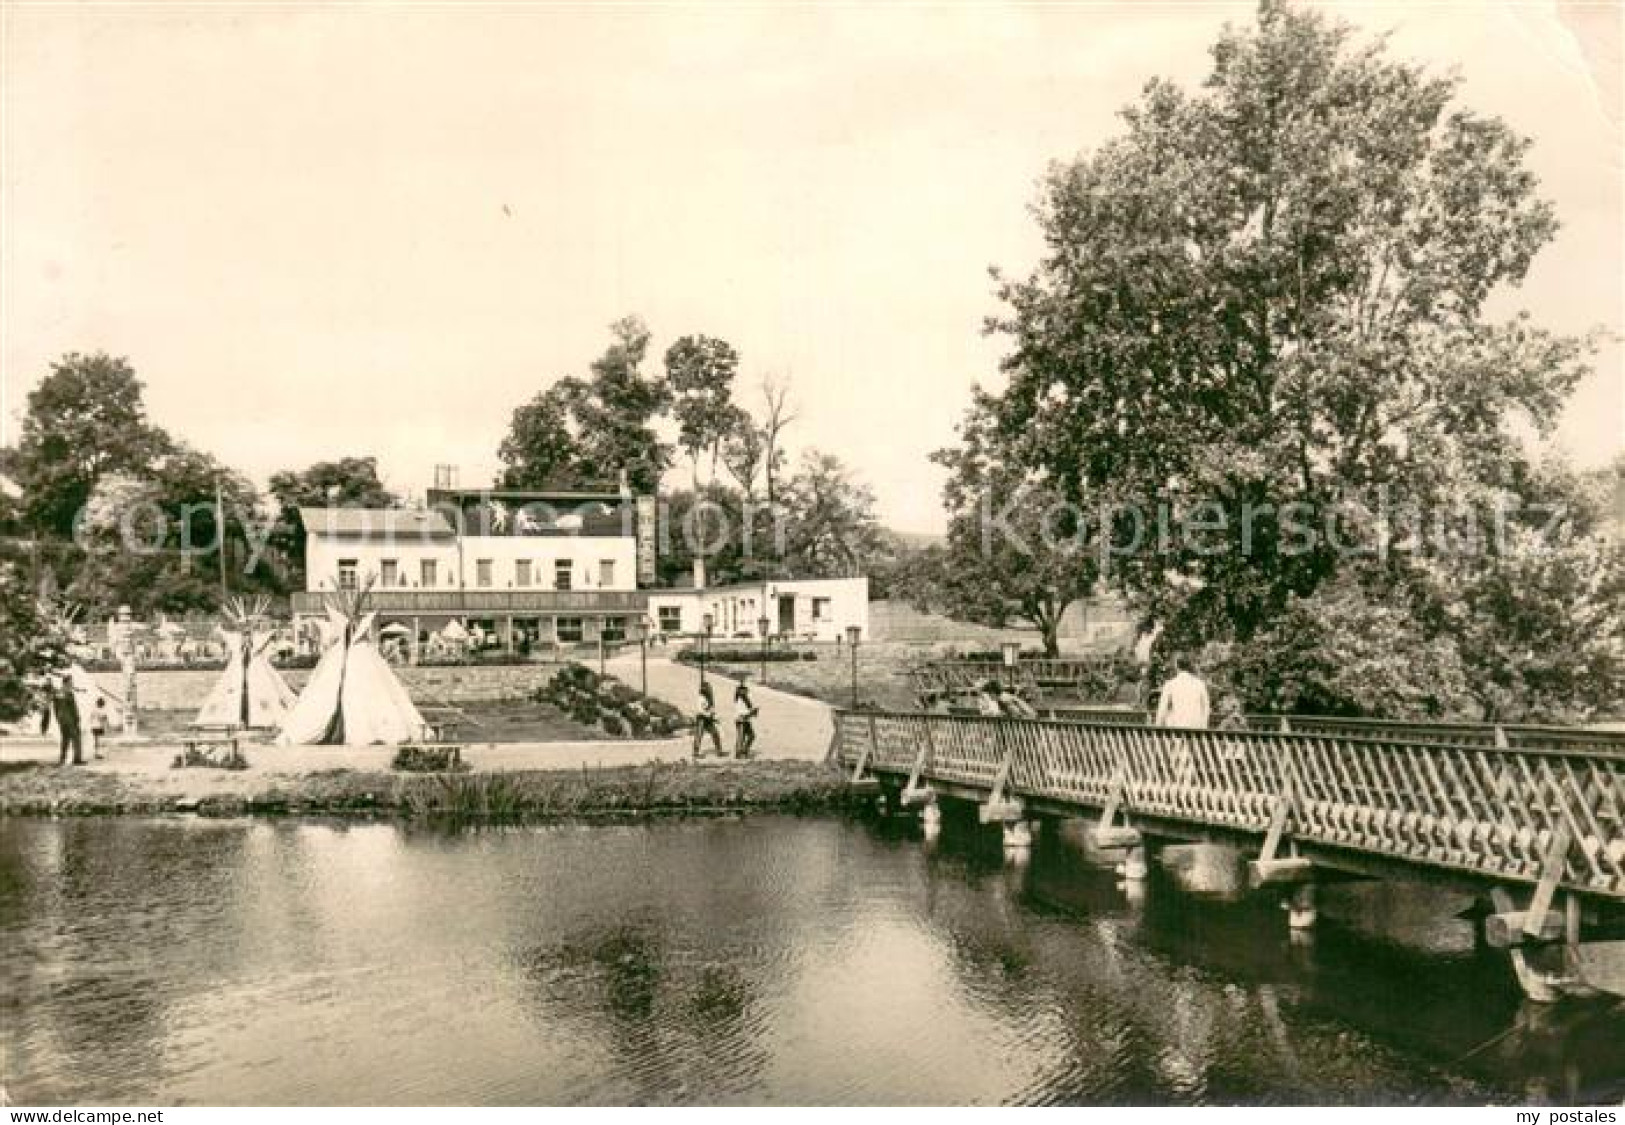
point(98, 726)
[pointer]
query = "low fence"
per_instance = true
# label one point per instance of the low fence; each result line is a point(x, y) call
point(1507, 813)
point(1036, 676)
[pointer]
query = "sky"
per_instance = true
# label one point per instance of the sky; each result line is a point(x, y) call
point(323, 231)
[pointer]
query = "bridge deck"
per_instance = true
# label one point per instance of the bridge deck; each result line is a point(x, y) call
point(1499, 814)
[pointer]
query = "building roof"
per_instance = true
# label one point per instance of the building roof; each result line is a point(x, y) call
point(377, 523)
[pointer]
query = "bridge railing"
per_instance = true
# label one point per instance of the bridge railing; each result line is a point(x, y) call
point(1456, 734)
point(1508, 813)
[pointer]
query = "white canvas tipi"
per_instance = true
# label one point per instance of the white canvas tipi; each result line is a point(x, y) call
point(249, 693)
point(64, 642)
point(353, 697)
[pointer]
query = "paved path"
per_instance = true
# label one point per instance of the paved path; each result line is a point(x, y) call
point(790, 726)
point(152, 760)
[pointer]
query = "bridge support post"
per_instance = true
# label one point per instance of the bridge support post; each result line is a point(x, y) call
point(1137, 864)
point(931, 818)
point(1018, 836)
point(1301, 911)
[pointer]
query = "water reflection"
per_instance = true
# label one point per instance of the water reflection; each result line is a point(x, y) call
point(756, 960)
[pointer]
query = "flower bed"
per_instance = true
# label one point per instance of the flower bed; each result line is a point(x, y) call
point(604, 701)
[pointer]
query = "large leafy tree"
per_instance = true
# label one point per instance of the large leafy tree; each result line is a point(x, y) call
point(614, 415)
point(1538, 614)
point(831, 528)
point(591, 430)
point(1341, 651)
point(1271, 292)
point(21, 632)
point(539, 449)
point(153, 541)
point(347, 482)
point(1017, 548)
point(87, 418)
point(738, 538)
point(700, 373)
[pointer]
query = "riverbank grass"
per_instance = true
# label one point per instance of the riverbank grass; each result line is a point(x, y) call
point(653, 788)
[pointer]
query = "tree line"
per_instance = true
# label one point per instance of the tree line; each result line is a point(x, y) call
point(90, 473)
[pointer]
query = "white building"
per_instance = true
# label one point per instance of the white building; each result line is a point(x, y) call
point(550, 567)
point(545, 568)
point(816, 609)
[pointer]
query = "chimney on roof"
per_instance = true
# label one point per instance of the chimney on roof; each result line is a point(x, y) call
point(699, 573)
point(626, 485)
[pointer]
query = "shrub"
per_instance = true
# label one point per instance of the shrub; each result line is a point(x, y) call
point(594, 700)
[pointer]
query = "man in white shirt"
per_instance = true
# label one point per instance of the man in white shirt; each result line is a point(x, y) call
point(1184, 701)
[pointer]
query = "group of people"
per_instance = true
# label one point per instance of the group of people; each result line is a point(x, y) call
point(707, 723)
point(1184, 701)
point(59, 702)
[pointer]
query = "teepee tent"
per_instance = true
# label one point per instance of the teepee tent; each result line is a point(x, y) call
point(61, 646)
point(249, 693)
point(353, 697)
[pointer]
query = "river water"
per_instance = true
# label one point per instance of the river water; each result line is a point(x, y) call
point(764, 959)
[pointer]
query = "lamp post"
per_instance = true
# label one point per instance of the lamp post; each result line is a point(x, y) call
point(705, 642)
point(640, 633)
point(853, 632)
point(761, 627)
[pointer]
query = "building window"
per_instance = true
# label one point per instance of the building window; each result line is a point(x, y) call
point(521, 572)
point(346, 574)
point(482, 574)
point(561, 575)
point(614, 630)
point(427, 578)
point(389, 574)
point(820, 609)
point(671, 619)
point(569, 630)
point(606, 573)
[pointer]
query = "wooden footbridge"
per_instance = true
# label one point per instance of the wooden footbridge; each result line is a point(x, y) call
point(1532, 818)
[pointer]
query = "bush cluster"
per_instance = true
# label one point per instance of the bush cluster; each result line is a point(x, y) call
point(604, 701)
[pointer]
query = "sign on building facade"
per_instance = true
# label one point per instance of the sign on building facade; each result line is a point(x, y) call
point(646, 540)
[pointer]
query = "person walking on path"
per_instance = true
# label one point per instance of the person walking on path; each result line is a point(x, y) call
point(63, 705)
point(745, 712)
point(705, 722)
point(1184, 699)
